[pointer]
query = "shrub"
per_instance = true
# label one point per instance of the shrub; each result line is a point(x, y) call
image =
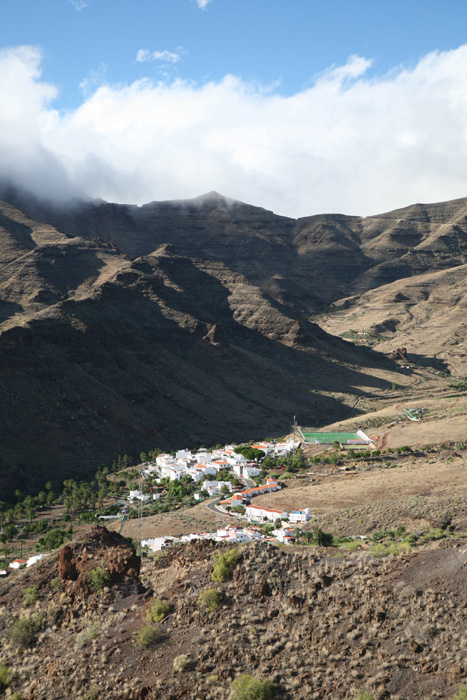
point(181, 662)
point(147, 636)
point(98, 579)
point(86, 635)
point(5, 677)
point(461, 694)
point(17, 696)
point(435, 534)
point(212, 680)
point(352, 546)
point(23, 630)
point(92, 693)
point(30, 596)
point(363, 696)
point(209, 599)
point(157, 611)
point(247, 687)
point(224, 565)
point(411, 538)
point(56, 584)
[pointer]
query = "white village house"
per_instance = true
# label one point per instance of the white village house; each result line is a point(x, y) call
point(259, 513)
point(300, 516)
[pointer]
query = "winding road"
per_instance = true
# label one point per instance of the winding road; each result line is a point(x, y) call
point(249, 483)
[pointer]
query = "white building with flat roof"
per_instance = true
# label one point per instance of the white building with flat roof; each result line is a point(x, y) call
point(300, 516)
point(259, 513)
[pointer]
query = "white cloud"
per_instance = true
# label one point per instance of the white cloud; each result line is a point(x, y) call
point(348, 142)
point(144, 55)
point(79, 4)
point(202, 4)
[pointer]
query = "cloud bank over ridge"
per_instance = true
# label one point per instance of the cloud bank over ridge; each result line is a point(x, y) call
point(348, 142)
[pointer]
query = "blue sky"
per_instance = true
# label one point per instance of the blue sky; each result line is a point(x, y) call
point(130, 100)
point(276, 42)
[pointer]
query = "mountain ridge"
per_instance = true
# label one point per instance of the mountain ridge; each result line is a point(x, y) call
point(119, 323)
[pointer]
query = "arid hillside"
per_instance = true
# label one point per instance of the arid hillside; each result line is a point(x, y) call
point(104, 355)
point(90, 624)
point(304, 263)
point(126, 328)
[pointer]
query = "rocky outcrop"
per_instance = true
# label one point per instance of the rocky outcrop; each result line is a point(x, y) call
point(216, 336)
point(101, 548)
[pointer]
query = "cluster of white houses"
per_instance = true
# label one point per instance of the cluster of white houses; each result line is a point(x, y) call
point(230, 534)
point(200, 465)
point(204, 466)
point(262, 513)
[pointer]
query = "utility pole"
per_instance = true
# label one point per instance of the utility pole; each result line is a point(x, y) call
point(140, 515)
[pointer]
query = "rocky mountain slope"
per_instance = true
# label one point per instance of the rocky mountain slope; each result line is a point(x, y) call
point(104, 355)
point(305, 263)
point(124, 328)
point(314, 625)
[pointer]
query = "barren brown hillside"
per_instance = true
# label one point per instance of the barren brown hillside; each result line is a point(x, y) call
point(127, 328)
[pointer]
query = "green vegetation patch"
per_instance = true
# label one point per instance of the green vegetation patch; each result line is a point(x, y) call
point(224, 565)
point(247, 687)
point(30, 596)
point(5, 677)
point(209, 599)
point(329, 438)
point(157, 610)
point(147, 636)
point(98, 579)
point(23, 630)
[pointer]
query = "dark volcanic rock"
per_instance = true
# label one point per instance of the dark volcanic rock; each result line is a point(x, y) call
point(101, 548)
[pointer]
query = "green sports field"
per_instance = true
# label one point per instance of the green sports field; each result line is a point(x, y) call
point(329, 438)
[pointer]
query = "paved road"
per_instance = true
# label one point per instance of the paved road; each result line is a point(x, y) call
point(213, 505)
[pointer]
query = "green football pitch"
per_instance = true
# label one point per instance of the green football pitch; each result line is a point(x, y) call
point(329, 437)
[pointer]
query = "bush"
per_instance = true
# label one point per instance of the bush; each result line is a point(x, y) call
point(395, 548)
point(181, 662)
point(30, 596)
point(92, 693)
point(411, 538)
point(224, 565)
point(147, 636)
point(23, 630)
point(98, 579)
point(431, 535)
point(157, 611)
point(56, 584)
point(461, 694)
point(5, 677)
point(212, 680)
point(86, 635)
point(209, 599)
point(248, 687)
